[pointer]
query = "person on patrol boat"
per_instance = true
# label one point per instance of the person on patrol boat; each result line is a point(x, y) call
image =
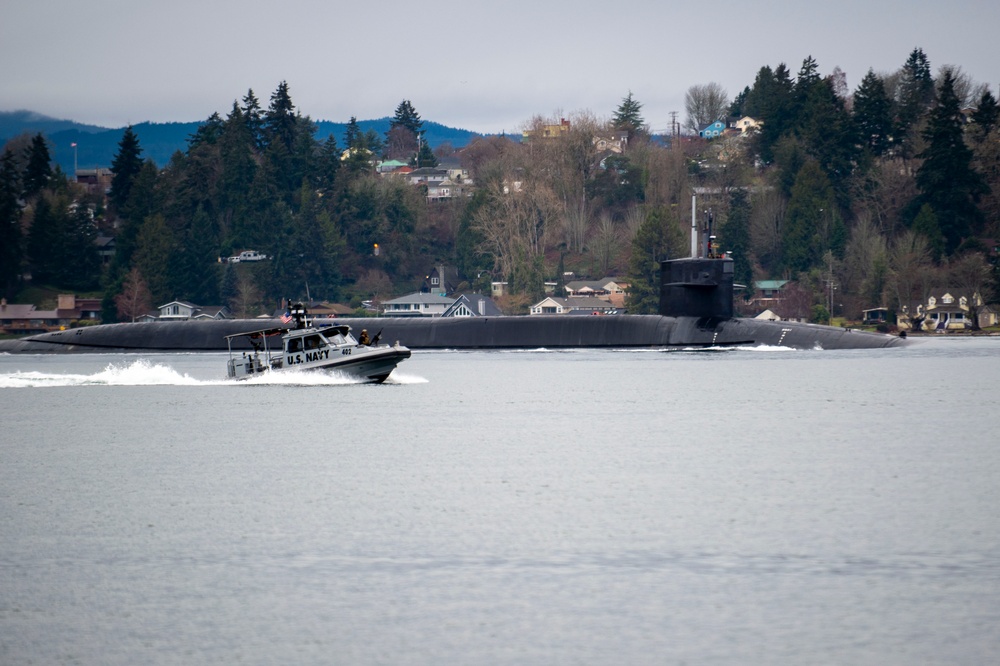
point(364, 337)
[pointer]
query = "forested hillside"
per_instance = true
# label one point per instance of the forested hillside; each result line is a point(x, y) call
point(96, 146)
point(866, 198)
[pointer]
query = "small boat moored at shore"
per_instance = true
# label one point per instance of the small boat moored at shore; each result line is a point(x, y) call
point(304, 347)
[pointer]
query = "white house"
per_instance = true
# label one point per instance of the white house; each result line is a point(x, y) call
point(572, 305)
point(183, 311)
point(417, 305)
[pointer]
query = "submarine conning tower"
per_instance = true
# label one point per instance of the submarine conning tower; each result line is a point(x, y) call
point(697, 287)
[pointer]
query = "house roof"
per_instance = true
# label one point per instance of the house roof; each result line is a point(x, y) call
point(17, 311)
point(421, 298)
point(770, 284)
point(473, 302)
point(577, 303)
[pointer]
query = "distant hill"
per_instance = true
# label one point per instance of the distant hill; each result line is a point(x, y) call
point(96, 146)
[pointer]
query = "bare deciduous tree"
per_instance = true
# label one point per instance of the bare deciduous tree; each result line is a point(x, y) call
point(634, 217)
point(400, 143)
point(970, 274)
point(966, 89)
point(705, 104)
point(376, 284)
point(866, 263)
point(247, 301)
point(912, 273)
point(576, 222)
point(605, 242)
point(513, 222)
point(134, 299)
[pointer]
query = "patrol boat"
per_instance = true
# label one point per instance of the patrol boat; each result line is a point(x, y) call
point(305, 347)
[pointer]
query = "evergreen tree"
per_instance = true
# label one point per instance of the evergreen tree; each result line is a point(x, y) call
point(407, 117)
point(806, 80)
point(79, 266)
point(238, 168)
point(229, 287)
point(658, 238)
point(352, 134)
point(207, 133)
point(10, 225)
point(252, 117)
point(735, 238)
point(154, 257)
point(426, 158)
point(828, 134)
point(771, 100)
point(914, 94)
point(197, 274)
point(327, 164)
point(628, 117)
point(44, 239)
point(946, 178)
point(279, 120)
point(125, 166)
point(38, 170)
point(469, 259)
point(737, 108)
point(873, 114)
point(359, 153)
point(811, 225)
point(926, 224)
point(986, 115)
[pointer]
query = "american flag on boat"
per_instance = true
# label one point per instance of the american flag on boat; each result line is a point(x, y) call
point(287, 317)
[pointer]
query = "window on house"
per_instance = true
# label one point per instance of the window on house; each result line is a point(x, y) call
point(434, 280)
point(947, 299)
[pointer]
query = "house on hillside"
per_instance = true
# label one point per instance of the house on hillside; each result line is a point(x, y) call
point(390, 166)
point(615, 143)
point(417, 305)
point(768, 293)
point(442, 280)
point(70, 312)
point(185, 311)
point(947, 310)
point(473, 305)
point(712, 130)
point(747, 124)
point(608, 289)
point(426, 175)
point(572, 305)
point(548, 131)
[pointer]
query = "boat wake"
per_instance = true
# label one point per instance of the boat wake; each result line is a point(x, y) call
point(136, 373)
point(146, 373)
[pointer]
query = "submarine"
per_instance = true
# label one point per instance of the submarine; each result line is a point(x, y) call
point(696, 311)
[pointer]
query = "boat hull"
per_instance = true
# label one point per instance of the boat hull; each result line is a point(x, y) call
point(367, 364)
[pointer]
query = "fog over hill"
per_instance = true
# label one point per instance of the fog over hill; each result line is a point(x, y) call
point(96, 146)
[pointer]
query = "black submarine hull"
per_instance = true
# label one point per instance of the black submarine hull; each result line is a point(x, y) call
point(544, 331)
point(696, 310)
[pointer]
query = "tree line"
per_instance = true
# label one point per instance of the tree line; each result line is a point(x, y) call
point(885, 192)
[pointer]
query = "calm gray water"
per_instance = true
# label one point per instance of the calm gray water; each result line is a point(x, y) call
point(586, 507)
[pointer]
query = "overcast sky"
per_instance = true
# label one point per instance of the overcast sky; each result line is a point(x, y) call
point(482, 66)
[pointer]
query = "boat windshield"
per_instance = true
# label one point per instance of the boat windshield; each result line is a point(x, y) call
point(315, 342)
